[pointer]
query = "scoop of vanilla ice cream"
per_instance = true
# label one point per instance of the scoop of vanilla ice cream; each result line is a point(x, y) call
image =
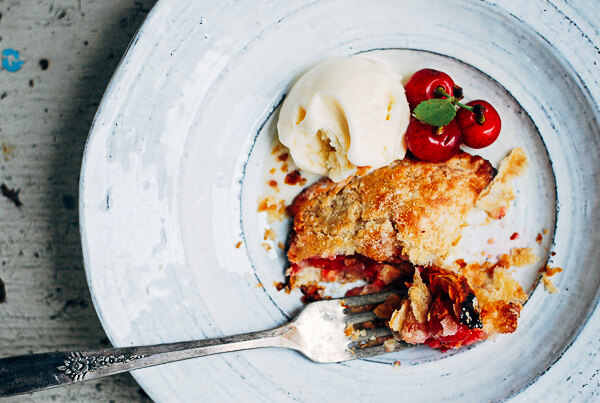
point(343, 113)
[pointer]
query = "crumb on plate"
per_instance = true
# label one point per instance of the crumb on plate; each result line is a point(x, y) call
point(550, 271)
point(539, 238)
point(390, 345)
point(518, 257)
point(294, 178)
point(282, 286)
point(277, 147)
point(269, 234)
point(549, 285)
point(275, 208)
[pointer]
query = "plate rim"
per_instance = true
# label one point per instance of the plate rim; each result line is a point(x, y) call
point(116, 78)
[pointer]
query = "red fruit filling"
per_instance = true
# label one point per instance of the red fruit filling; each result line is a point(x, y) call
point(346, 269)
point(453, 318)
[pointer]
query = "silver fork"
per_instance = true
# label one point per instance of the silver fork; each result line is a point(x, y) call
point(321, 332)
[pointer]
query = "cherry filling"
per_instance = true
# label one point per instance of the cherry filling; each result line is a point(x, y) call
point(453, 319)
point(349, 268)
point(445, 332)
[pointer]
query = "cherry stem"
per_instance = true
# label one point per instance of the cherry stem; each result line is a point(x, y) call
point(440, 92)
point(476, 109)
point(479, 115)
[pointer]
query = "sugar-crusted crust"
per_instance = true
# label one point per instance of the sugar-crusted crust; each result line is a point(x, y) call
point(410, 210)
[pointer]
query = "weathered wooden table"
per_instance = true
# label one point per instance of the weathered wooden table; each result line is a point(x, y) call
point(69, 50)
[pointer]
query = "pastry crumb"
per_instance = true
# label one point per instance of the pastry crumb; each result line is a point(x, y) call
point(282, 286)
point(269, 234)
point(549, 285)
point(272, 171)
point(275, 208)
point(420, 298)
point(259, 285)
point(280, 245)
point(550, 271)
point(237, 245)
point(495, 199)
point(539, 238)
point(490, 241)
point(545, 231)
point(514, 236)
point(278, 147)
point(353, 333)
point(523, 257)
point(266, 246)
point(390, 345)
point(518, 257)
point(349, 330)
point(397, 364)
point(396, 322)
point(294, 178)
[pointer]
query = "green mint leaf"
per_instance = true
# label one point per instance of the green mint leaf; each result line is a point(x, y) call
point(435, 112)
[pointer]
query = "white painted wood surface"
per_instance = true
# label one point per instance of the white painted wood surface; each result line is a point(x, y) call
point(45, 115)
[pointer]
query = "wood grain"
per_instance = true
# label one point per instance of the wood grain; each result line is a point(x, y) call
point(45, 116)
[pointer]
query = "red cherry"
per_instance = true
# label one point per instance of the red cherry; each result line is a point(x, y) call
point(475, 134)
point(427, 144)
point(423, 83)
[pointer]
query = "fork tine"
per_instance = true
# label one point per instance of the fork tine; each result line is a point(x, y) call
point(361, 318)
point(367, 299)
point(359, 309)
point(366, 352)
point(367, 302)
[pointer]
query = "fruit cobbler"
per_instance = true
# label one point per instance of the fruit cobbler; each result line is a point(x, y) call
point(395, 192)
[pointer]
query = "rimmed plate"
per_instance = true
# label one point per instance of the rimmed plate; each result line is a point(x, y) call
point(170, 180)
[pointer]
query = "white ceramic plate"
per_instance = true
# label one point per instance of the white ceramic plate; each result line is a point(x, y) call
point(175, 163)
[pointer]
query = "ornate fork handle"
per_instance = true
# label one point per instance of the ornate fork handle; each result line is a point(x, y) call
point(28, 373)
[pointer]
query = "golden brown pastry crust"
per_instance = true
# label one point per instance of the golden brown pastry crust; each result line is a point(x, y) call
point(499, 295)
point(410, 210)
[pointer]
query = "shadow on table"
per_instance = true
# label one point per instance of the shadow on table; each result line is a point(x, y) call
point(98, 60)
